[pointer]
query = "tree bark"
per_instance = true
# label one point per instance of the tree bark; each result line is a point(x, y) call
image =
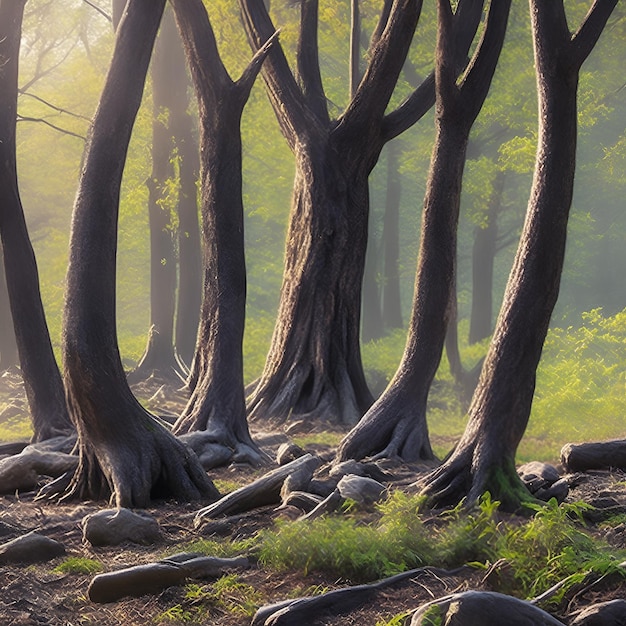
point(314, 369)
point(484, 459)
point(42, 380)
point(217, 403)
point(396, 426)
point(124, 452)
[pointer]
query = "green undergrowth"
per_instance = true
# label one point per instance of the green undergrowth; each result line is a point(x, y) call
point(229, 594)
point(538, 551)
point(79, 565)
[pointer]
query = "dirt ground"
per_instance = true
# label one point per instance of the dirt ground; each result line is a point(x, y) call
point(39, 595)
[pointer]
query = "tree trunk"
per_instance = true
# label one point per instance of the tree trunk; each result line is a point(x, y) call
point(314, 366)
point(391, 301)
point(396, 426)
point(483, 257)
point(42, 380)
point(484, 459)
point(189, 251)
point(217, 403)
point(313, 369)
point(124, 452)
point(8, 346)
point(159, 358)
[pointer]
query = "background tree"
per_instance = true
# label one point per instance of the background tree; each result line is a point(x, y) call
point(217, 403)
point(484, 459)
point(396, 423)
point(169, 96)
point(42, 380)
point(314, 366)
point(8, 346)
point(124, 452)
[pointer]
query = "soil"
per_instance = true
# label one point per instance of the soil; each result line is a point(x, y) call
point(40, 595)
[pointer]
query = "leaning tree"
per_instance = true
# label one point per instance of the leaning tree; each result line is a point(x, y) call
point(313, 368)
point(217, 403)
point(125, 453)
point(42, 380)
point(396, 423)
point(484, 458)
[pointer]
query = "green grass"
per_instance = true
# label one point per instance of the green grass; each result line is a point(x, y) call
point(550, 546)
point(79, 565)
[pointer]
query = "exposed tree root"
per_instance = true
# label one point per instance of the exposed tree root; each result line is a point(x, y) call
point(390, 429)
point(468, 474)
point(133, 470)
point(308, 396)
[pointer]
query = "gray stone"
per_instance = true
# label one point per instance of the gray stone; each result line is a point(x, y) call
point(482, 608)
point(114, 526)
point(611, 613)
point(31, 548)
point(361, 489)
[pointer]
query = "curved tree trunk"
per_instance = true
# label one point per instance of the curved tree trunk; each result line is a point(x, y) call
point(217, 403)
point(159, 358)
point(484, 459)
point(124, 452)
point(42, 380)
point(396, 425)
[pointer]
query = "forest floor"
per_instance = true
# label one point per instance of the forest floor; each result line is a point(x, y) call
point(43, 594)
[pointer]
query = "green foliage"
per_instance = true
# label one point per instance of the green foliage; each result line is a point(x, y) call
point(78, 565)
point(223, 548)
point(549, 547)
point(343, 546)
point(402, 619)
point(227, 595)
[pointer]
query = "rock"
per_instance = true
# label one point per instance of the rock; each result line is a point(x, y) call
point(31, 548)
point(301, 500)
point(482, 608)
point(209, 452)
point(611, 613)
point(543, 481)
point(361, 489)
point(288, 452)
point(114, 526)
point(345, 468)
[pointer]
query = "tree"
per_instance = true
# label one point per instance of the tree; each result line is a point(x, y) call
point(169, 96)
point(314, 367)
point(396, 423)
point(217, 403)
point(124, 451)
point(484, 458)
point(42, 380)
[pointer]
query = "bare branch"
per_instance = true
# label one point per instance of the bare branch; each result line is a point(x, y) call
point(102, 12)
point(254, 67)
point(53, 106)
point(39, 120)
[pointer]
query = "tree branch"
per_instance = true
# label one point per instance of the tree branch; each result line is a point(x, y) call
point(39, 120)
point(246, 81)
point(285, 95)
point(466, 21)
point(478, 77)
point(102, 12)
point(308, 60)
point(590, 30)
point(53, 106)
